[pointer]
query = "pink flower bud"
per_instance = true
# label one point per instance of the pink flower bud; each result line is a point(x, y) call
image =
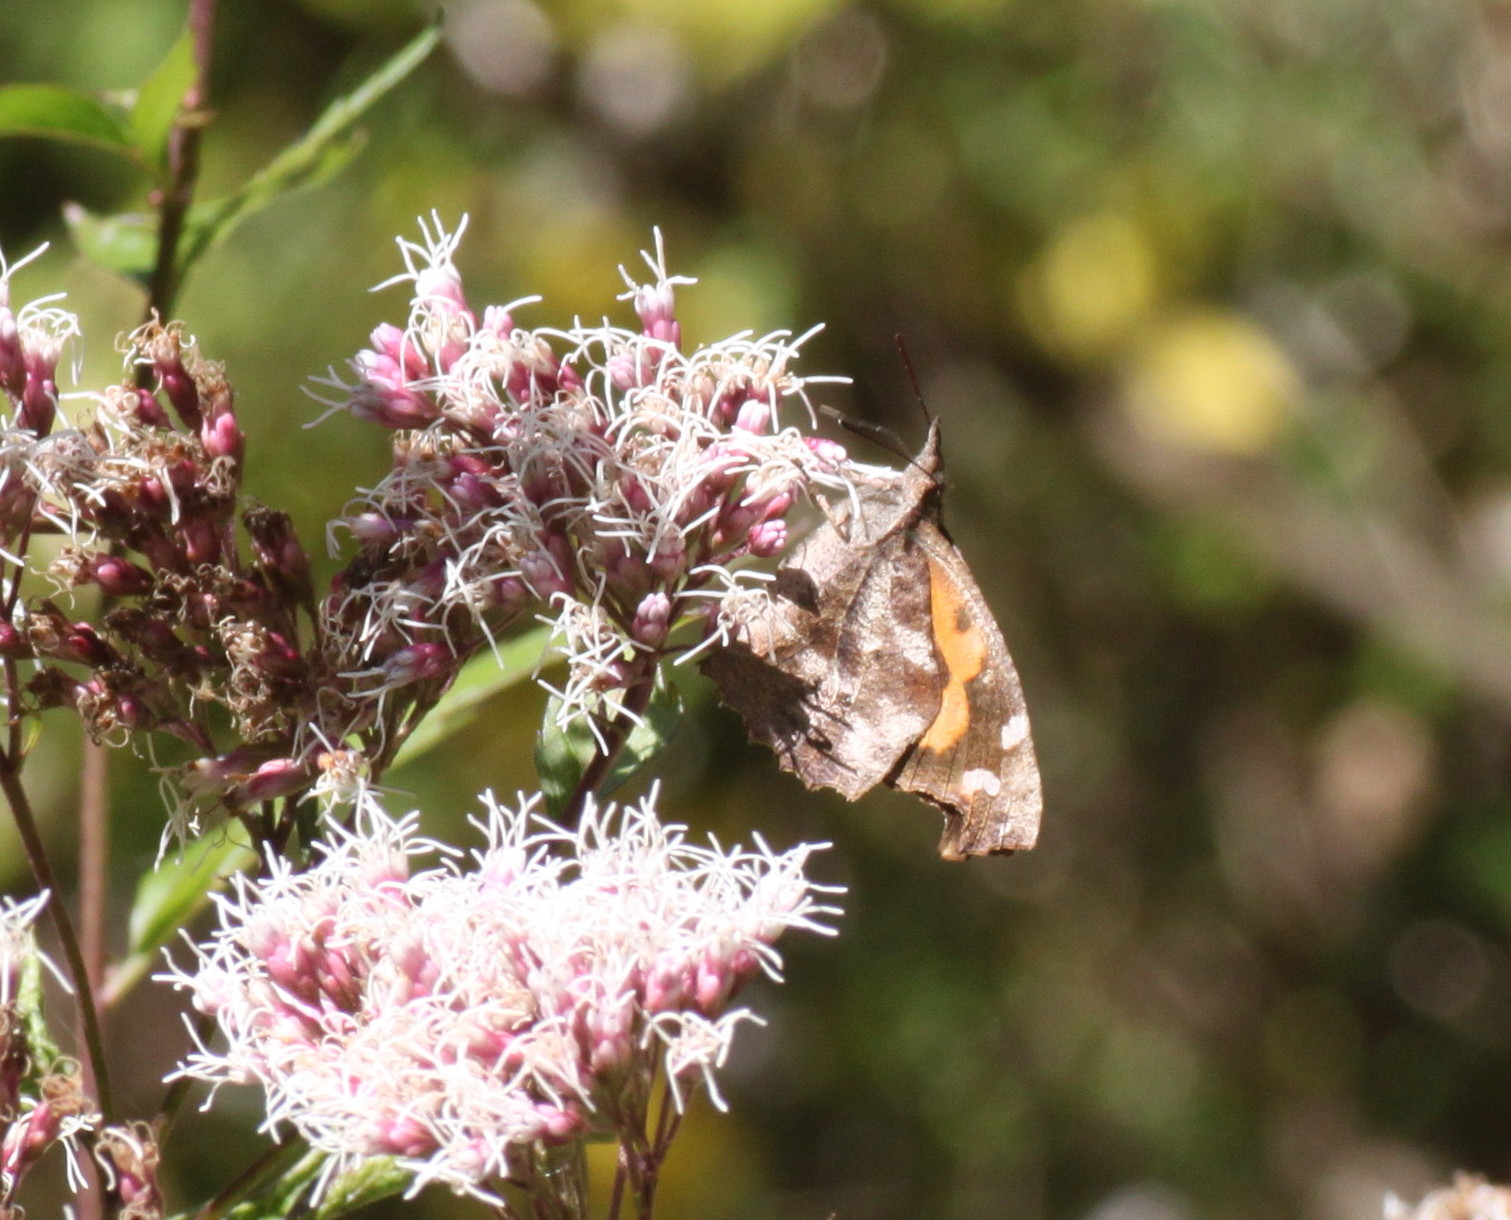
point(13, 644)
point(136, 405)
point(560, 1124)
point(222, 436)
point(281, 777)
point(652, 620)
point(375, 528)
point(54, 637)
point(39, 402)
point(401, 1135)
point(205, 773)
point(830, 453)
point(280, 557)
point(441, 286)
point(496, 319)
point(175, 382)
point(754, 415)
point(131, 1155)
point(12, 366)
point(539, 571)
point(120, 577)
point(712, 986)
point(418, 663)
point(669, 560)
point(508, 593)
point(275, 656)
point(407, 359)
point(656, 305)
point(767, 539)
point(200, 540)
point(392, 406)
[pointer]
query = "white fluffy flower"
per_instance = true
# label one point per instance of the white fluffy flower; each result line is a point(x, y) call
point(450, 1017)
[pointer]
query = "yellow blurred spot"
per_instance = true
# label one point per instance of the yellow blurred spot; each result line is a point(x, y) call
point(739, 288)
point(1210, 380)
point(1091, 287)
point(730, 38)
point(574, 266)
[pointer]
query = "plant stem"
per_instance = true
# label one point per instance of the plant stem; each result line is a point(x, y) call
point(94, 857)
point(57, 910)
point(94, 870)
point(270, 1165)
point(183, 167)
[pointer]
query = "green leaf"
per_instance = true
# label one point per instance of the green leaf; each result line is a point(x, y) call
point(29, 1001)
point(62, 114)
point(158, 103)
point(372, 1180)
point(125, 243)
point(648, 738)
point(319, 154)
point(563, 753)
point(483, 677)
point(167, 898)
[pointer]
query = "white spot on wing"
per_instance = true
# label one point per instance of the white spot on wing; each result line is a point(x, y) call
point(980, 780)
point(1015, 731)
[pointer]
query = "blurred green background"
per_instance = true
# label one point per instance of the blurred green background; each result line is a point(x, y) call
point(1213, 300)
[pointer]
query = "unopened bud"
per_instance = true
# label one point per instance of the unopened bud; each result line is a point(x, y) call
point(754, 415)
point(418, 663)
point(830, 453)
point(652, 620)
point(280, 557)
point(768, 538)
point(221, 435)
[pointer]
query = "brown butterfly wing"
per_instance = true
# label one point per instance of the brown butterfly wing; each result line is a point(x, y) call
point(878, 660)
point(975, 760)
point(838, 675)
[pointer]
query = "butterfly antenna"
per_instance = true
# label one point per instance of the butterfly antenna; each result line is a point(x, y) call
point(880, 434)
point(907, 364)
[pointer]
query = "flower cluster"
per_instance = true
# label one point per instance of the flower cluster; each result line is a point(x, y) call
point(598, 471)
point(42, 1102)
point(599, 476)
point(1469, 1198)
point(148, 490)
point(460, 1019)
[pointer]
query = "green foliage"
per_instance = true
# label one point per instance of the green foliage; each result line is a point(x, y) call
point(170, 895)
point(326, 149)
point(127, 242)
point(63, 114)
point(564, 752)
point(1210, 302)
point(159, 103)
point(483, 678)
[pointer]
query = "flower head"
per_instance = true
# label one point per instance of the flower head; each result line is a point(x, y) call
point(459, 1015)
point(1469, 1198)
point(600, 474)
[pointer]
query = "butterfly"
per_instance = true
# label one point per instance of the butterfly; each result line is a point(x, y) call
point(875, 659)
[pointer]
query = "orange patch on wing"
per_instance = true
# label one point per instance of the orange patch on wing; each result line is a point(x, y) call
point(962, 647)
